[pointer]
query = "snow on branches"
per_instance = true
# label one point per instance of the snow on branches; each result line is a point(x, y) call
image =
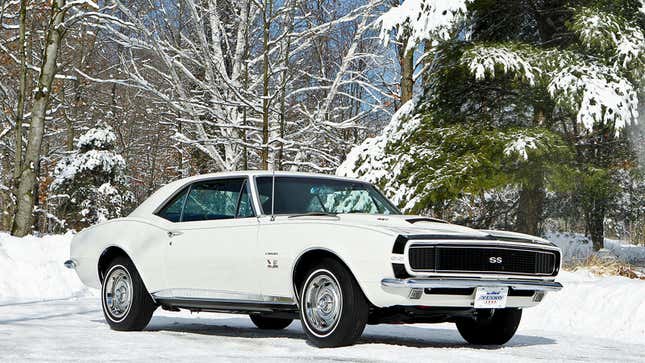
point(482, 61)
point(371, 161)
point(594, 92)
point(624, 43)
point(520, 144)
point(597, 94)
point(99, 138)
point(421, 20)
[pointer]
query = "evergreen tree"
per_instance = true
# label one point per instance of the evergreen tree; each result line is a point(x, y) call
point(90, 183)
point(531, 95)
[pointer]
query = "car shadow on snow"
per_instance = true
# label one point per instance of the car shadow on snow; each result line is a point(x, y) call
point(402, 335)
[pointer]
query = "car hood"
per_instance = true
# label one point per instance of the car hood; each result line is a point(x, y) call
point(415, 225)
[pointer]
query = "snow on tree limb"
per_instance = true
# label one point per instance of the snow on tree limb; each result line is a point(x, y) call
point(371, 160)
point(608, 33)
point(520, 144)
point(482, 61)
point(596, 94)
point(421, 20)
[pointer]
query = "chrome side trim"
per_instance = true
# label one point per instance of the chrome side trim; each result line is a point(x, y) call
point(430, 283)
point(71, 264)
point(219, 296)
point(229, 306)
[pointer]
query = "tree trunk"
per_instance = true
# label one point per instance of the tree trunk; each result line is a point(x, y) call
point(283, 104)
point(596, 224)
point(21, 94)
point(406, 59)
point(22, 223)
point(530, 207)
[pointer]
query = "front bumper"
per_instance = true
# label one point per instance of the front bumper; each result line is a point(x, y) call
point(460, 283)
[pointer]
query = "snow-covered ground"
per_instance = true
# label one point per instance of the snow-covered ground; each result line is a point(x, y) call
point(47, 315)
point(576, 246)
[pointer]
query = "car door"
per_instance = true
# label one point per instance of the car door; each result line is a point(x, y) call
point(208, 255)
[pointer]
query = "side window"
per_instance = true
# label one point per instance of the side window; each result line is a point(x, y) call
point(264, 185)
point(217, 199)
point(245, 209)
point(172, 210)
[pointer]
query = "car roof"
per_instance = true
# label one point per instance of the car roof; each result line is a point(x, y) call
point(264, 173)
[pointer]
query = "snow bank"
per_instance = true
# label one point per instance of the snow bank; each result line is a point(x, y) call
point(576, 246)
point(31, 268)
point(610, 307)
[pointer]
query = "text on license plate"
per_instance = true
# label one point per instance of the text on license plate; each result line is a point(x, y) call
point(491, 297)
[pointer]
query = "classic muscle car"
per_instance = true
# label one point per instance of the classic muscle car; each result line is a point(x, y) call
point(330, 251)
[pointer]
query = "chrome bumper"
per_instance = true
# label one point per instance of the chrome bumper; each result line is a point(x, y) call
point(430, 283)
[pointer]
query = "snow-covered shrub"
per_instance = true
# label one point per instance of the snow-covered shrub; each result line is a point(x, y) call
point(89, 184)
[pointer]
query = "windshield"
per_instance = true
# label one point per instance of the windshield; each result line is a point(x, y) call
point(301, 195)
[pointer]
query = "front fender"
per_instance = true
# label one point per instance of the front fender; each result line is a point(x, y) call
point(143, 242)
point(365, 252)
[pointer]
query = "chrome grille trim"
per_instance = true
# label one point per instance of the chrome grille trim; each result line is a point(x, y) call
point(538, 260)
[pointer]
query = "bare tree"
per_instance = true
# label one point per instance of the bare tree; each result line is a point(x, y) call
point(249, 81)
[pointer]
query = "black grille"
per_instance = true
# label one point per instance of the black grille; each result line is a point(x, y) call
point(483, 259)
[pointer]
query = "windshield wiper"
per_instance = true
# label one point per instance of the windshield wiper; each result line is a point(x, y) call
point(314, 214)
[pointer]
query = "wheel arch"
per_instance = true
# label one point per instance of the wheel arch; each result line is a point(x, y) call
point(108, 254)
point(312, 255)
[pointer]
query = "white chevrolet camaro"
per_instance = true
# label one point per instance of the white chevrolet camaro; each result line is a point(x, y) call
point(330, 251)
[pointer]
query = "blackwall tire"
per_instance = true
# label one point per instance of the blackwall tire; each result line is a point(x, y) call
point(496, 330)
point(127, 305)
point(333, 309)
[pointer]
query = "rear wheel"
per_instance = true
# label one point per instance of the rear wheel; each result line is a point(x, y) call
point(333, 309)
point(267, 322)
point(125, 300)
point(494, 329)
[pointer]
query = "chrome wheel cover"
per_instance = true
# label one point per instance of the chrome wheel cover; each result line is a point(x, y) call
point(117, 292)
point(323, 303)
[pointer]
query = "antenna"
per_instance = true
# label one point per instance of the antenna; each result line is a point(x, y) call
point(273, 195)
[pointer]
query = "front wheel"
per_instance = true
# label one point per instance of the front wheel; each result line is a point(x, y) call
point(125, 300)
point(333, 309)
point(494, 329)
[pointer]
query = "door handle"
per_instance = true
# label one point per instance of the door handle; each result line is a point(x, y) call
point(174, 233)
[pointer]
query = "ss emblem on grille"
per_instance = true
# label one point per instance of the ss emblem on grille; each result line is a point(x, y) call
point(495, 260)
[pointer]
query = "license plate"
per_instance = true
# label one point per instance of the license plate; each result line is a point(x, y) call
point(491, 297)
